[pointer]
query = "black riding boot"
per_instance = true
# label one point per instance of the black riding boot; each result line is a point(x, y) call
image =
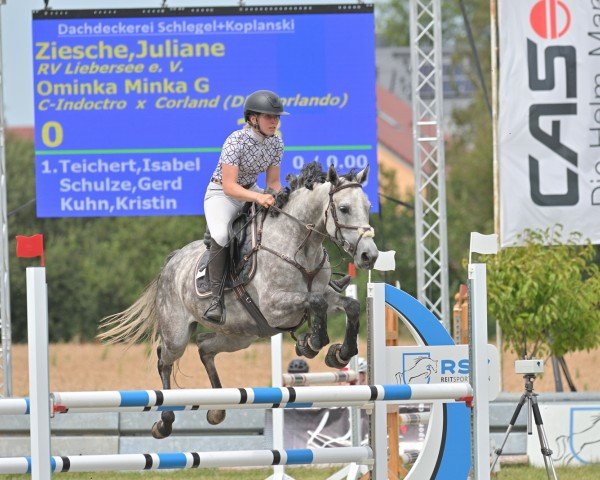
point(215, 313)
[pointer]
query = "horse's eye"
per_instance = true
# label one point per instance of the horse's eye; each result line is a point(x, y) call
point(344, 209)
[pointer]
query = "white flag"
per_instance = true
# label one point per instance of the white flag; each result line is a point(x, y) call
point(486, 244)
point(385, 261)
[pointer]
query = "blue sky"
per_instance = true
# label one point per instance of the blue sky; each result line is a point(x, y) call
point(16, 42)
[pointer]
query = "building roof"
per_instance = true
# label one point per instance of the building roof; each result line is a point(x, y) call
point(394, 124)
point(21, 132)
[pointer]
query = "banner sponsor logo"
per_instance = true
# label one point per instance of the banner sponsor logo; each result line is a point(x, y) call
point(549, 123)
point(438, 364)
point(550, 18)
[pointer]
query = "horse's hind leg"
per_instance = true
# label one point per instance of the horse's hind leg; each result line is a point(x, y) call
point(164, 427)
point(338, 355)
point(172, 347)
point(209, 344)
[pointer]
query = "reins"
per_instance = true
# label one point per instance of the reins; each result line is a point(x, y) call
point(341, 242)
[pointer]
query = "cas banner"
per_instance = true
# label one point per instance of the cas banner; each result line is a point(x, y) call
point(549, 119)
point(132, 107)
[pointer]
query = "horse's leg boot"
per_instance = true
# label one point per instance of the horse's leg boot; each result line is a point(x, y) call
point(215, 313)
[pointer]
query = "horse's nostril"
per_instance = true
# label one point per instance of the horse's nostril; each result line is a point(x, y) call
point(365, 257)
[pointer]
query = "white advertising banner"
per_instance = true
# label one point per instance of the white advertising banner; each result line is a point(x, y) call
point(573, 432)
point(549, 117)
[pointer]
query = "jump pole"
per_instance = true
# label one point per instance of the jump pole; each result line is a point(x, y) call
point(187, 460)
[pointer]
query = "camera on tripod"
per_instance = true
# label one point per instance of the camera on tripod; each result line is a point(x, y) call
point(529, 367)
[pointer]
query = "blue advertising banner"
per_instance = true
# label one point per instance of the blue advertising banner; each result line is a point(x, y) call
point(132, 106)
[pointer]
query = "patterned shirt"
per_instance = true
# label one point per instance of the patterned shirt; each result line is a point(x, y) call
point(251, 153)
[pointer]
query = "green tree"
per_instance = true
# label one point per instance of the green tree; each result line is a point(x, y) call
point(546, 294)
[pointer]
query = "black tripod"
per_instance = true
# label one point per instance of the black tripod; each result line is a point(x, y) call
point(532, 406)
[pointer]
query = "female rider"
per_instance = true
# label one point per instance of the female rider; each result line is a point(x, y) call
point(246, 153)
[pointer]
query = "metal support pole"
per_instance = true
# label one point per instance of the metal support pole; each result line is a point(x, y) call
point(429, 165)
point(478, 359)
point(377, 372)
point(277, 414)
point(5, 325)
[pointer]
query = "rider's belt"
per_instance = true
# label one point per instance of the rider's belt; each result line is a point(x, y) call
point(216, 180)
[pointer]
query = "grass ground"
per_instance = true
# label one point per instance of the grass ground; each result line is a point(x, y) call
point(507, 473)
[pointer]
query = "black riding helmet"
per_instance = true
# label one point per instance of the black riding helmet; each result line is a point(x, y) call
point(298, 366)
point(263, 101)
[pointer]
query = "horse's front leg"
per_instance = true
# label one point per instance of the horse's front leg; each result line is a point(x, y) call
point(282, 305)
point(339, 355)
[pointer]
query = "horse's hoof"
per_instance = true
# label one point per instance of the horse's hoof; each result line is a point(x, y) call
point(333, 358)
point(161, 430)
point(303, 348)
point(214, 417)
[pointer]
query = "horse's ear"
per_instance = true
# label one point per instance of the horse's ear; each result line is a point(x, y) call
point(332, 176)
point(361, 177)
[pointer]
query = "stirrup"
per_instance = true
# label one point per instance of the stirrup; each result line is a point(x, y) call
point(341, 284)
point(216, 303)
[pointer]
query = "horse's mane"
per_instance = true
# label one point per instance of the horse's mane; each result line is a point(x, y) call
point(312, 173)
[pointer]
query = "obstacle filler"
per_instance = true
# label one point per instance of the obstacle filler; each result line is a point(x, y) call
point(448, 446)
point(446, 451)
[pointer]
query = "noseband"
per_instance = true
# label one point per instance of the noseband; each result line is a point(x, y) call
point(338, 237)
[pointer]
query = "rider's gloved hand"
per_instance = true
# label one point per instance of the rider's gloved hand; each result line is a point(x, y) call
point(265, 200)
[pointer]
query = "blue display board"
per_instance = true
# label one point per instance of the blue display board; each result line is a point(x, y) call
point(132, 106)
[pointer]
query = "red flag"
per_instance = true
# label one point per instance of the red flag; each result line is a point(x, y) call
point(29, 247)
point(352, 270)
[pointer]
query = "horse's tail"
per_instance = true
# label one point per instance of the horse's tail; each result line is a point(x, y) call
point(136, 323)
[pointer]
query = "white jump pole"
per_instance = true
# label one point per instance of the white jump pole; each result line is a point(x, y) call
point(318, 378)
point(478, 358)
point(37, 336)
point(186, 460)
point(265, 396)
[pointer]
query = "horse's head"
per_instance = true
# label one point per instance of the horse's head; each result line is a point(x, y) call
point(347, 217)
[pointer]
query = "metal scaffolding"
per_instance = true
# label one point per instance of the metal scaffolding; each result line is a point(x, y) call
point(428, 147)
point(5, 330)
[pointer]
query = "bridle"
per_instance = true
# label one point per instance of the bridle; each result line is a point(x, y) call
point(338, 237)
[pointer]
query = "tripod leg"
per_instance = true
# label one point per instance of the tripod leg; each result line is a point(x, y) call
point(546, 452)
point(511, 425)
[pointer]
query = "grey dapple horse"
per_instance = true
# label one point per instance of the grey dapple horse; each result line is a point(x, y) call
point(320, 205)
